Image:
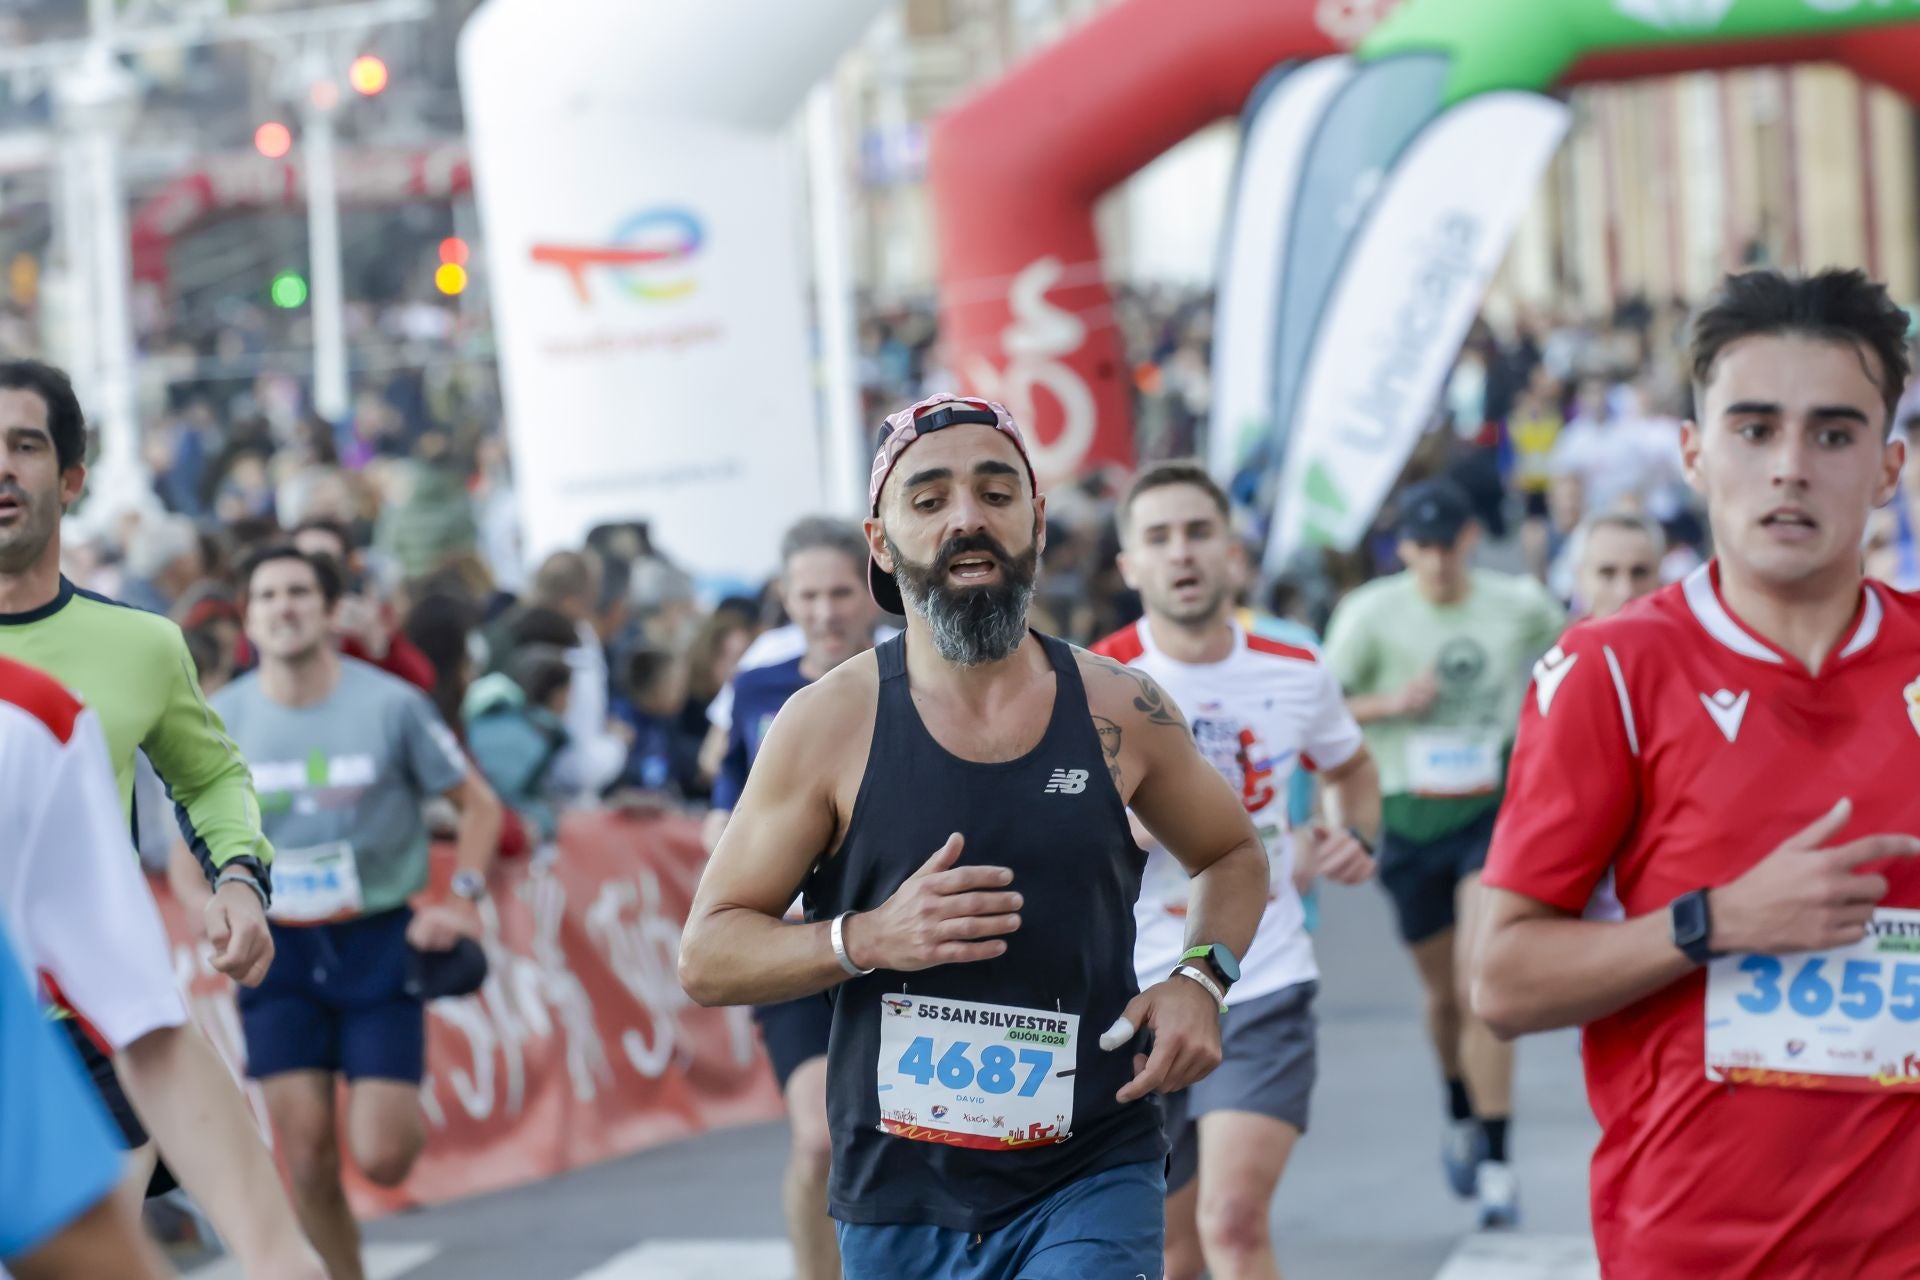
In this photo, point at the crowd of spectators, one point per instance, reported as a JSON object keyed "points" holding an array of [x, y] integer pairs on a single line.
{"points": [[586, 679], [588, 687], [1546, 421]]}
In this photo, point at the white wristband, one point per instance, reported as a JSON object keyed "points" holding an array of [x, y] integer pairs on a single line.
{"points": [[838, 933], [241, 877], [1205, 980]]}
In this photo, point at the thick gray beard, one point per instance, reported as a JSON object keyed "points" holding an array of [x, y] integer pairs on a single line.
{"points": [[965, 640]]}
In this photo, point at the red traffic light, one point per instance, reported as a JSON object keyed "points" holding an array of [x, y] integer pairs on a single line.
{"points": [[273, 140], [454, 251]]}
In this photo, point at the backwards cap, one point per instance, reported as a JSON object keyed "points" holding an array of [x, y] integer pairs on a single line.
{"points": [[936, 412]]}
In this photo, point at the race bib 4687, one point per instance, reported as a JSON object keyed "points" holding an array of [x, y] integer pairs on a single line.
{"points": [[967, 1074]]}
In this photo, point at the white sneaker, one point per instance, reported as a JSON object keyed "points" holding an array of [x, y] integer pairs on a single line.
{"points": [[1460, 1155], [1498, 1193]]}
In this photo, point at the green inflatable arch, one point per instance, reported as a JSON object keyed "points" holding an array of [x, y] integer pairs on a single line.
{"points": [[1532, 44], [1410, 182]]}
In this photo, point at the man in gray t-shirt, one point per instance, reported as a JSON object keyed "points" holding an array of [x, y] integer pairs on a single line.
{"points": [[343, 756], [344, 776]]}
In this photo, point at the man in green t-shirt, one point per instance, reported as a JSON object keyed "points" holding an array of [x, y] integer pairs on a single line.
{"points": [[1435, 661]]}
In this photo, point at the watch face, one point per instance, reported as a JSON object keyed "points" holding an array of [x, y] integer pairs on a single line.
{"points": [[1223, 961], [1689, 920]]}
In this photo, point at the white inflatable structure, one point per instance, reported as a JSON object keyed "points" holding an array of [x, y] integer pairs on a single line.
{"points": [[638, 187]]}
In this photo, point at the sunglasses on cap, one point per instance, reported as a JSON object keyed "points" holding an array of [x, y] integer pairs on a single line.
{"points": [[956, 414]]}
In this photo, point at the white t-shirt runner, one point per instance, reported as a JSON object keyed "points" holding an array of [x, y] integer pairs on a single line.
{"points": [[71, 892], [1264, 711]]}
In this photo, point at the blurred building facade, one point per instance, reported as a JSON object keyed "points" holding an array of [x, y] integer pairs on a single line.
{"points": [[1662, 186]]}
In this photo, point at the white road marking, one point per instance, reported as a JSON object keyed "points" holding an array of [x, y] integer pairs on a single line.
{"points": [[698, 1260], [383, 1261], [1500, 1256]]}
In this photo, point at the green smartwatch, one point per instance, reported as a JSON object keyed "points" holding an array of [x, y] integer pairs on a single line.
{"points": [[1219, 959]]}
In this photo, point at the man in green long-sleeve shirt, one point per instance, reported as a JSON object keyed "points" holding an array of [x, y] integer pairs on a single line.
{"points": [[133, 668], [131, 665]]}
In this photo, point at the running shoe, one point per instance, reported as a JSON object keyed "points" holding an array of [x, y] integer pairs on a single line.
{"points": [[1498, 1192], [1461, 1148]]}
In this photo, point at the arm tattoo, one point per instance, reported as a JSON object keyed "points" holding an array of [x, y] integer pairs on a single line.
{"points": [[1110, 747], [1154, 703], [1149, 701]]}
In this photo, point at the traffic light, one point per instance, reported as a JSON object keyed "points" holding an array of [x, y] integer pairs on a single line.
{"points": [[367, 75], [273, 140], [289, 290], [450, 277]]}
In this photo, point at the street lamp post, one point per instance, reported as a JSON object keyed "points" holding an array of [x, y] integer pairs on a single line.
{"points": [[318, 103], [844, 453], [97, 102]]}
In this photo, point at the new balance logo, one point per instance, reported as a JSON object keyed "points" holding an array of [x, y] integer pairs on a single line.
{"points": [[1727, 711], [1066, 782]]}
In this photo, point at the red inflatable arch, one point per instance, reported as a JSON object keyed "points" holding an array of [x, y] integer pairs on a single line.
{"points": [[1015, 171]]}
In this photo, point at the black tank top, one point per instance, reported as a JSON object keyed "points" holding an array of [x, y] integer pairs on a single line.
{"points": [[1053, 817]]}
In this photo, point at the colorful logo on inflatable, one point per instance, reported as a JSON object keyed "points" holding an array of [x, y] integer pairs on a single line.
{"points": [[647, 256]]}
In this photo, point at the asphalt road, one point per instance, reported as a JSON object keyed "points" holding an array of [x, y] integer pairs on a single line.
{"points": [[1362, 1200]]}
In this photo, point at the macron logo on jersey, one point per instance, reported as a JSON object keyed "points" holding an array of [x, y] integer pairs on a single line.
{"points": [[1727, 711], [1066, 782], [1548, 674]]}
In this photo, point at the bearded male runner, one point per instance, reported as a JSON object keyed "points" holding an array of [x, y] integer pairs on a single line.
{"points": [[954, 808]]}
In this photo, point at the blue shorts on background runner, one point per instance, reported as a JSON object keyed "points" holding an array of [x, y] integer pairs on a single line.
{"points": [[336, 1000], [794, 1031], [1109, 1224]]}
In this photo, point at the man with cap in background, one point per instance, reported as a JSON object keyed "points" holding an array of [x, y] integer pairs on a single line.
{"points": [[1435, 661]]}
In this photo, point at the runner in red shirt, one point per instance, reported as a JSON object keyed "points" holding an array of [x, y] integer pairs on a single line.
{"points": [[1742, 752]]}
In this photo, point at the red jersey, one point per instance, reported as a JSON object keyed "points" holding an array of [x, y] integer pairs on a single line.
{"points": [[1674, 747]]}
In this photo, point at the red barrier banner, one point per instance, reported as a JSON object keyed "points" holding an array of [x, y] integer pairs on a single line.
{"points": [[581, 1046]]}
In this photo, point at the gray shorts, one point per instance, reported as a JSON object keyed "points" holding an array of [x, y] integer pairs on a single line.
{"points": [[1267, 1066]]}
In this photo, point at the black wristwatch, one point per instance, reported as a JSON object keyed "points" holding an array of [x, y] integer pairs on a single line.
{"points": [[1692, 924], [1219, 959]]}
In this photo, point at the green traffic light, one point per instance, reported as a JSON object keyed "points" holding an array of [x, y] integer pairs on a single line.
{"points": [[289, 290]]}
